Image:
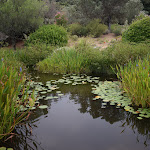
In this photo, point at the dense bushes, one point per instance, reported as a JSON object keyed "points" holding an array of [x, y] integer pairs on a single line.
{"points": [[138, 31], [95, 28], [33, 53], [10, 58], [117, 29], [49, 34], [97, 62], [60, 19], [77, 29], [119, 54]]}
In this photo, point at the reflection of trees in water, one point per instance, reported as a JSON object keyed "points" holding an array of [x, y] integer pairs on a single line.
{"points": [[82, 95], [23, 139], [139, 127]]}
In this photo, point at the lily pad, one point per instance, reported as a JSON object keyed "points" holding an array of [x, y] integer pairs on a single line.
{"points": [[43, 106]]}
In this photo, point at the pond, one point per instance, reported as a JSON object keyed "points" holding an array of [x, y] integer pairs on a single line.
{"points": [[74, 121]]}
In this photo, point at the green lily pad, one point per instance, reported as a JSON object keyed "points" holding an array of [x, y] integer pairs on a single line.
{"points": [[43, 106], [139, 118]]}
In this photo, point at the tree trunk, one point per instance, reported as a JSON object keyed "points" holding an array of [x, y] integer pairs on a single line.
{"points": [[14, 43], [109, 24]]}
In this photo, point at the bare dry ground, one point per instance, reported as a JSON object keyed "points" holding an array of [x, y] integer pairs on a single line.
{"points": [[101, 42]]}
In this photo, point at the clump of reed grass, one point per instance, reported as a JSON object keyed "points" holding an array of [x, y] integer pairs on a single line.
{"points": [[13, 95], [65, 60], [135, 79]]}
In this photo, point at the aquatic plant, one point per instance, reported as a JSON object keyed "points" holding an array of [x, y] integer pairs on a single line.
{"points": [[66, 60], [111, 93], [136, 81], [13, 98]]}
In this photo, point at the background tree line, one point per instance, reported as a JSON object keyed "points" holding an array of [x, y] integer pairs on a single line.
{"points": [[20, 17]]}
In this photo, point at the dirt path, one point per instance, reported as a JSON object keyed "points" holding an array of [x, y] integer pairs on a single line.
{"points": [[101, 42], [106, 40]]}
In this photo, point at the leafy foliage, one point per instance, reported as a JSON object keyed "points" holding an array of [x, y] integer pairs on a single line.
{"points": [[33, 53], [49, 34], [95, 28], [97, 62], [10, 58], [132, 9], [138, 31], [77, 29], [117, 29], [60, 19], [21, 17]]}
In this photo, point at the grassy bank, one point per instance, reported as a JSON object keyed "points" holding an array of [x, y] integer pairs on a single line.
{"points": [[91, 59]]}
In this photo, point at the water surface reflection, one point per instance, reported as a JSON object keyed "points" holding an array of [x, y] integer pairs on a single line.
{"points": [[74, 121]]}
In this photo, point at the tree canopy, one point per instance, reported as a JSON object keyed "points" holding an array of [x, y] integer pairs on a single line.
{"points": [[20, 17]]}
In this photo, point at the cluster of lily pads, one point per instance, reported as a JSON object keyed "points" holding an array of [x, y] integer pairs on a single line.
{"points": [[111, 92], [42, 92]]}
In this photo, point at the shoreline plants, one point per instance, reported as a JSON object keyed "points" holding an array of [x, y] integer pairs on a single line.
{"points": [[135, 79], [13, 96]]}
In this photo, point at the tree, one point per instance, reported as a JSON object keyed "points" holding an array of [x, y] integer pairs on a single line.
{"points": [[113, 9], [146, 4], [18, 17], [133, 8], [83, 11], [107, 10]]}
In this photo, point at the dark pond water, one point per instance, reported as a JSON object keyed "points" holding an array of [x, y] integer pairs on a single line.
{"points": [[75, 122]]}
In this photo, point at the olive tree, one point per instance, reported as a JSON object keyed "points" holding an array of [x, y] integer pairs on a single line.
{"points": [[18, 17], [133, 8]]}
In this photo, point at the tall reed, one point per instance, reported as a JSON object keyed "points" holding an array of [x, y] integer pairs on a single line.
{"points": [[13, 96], [136, 81], [66, 60]]}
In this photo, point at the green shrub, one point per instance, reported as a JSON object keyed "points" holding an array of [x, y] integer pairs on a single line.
{"points": [[13, 96], [77, 29], [121, 53], [34, 53], [116, 29], [74, 37], [141, 15], [95, 28], [49, 34], [138, 31], [60, 19], [96, 62], [10, 58], [136, 81], [66, 60], [100, 62]]}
